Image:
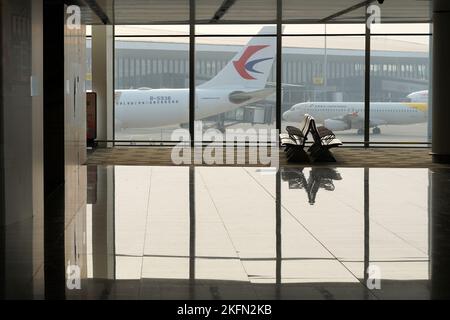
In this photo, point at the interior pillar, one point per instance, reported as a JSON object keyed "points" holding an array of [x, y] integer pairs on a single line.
{"points": [[103, 79], [441, 79]]}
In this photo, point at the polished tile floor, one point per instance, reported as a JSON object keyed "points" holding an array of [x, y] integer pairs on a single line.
{"points": [[248, 233]]}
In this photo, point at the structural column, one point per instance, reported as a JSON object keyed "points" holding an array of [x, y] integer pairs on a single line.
{"points": [[103, 79], [54, 148], [439, 217], [21, 149], [441, 79], [103, 246]]}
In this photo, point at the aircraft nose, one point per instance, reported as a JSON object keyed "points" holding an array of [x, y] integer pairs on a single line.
{"points": [[286, 115]]}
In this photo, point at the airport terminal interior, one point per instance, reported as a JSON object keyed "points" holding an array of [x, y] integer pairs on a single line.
{"points": [[224, 149]]}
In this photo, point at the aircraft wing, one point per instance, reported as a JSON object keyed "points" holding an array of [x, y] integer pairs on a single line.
{"points": [[356, 120], [352, 119], [344, 122], [273, 84]]}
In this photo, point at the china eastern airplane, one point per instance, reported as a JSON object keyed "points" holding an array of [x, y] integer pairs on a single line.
{"points": [[241, 82], [341, 116]]}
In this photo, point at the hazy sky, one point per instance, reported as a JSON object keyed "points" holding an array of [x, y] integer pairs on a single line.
{"points": [[289, 29], [381, 42]]}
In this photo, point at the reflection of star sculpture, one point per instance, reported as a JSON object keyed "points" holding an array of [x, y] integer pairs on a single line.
{"points": [[318, 178]]}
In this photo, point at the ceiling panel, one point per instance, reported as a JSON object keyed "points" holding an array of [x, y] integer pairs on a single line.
{"points": [[205, 9], [406, 11], [128, 12], [304, 11], [252, 10], [96, 11], [151, 11]]}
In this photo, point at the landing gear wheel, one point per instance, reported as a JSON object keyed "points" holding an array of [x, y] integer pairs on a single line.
{"points": [[376, 130], [360, 132]]}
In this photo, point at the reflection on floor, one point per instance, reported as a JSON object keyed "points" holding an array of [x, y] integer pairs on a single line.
{"points": [[346, 157], [244, 233]]}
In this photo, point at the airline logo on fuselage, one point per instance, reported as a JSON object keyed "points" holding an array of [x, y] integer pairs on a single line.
{"points": [[243, 66]]}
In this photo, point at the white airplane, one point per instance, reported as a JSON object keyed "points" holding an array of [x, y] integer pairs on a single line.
{"points": [[341, 116], [419, 96], [242, 82]]}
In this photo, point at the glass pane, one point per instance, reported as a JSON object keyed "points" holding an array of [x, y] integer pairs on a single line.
{"points": [[400, 28], [88, 58], [345, 28], [88, 64], [399, 88], [233, 29], [322, 29], [235, 84], [324, 77], [151, 79], [304, 29], [151, 30]]}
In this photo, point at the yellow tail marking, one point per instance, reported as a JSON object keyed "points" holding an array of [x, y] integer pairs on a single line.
{"points": [[419, 106]]}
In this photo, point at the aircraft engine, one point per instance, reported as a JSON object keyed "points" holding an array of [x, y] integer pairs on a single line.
{"points": [[336, 125]]}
